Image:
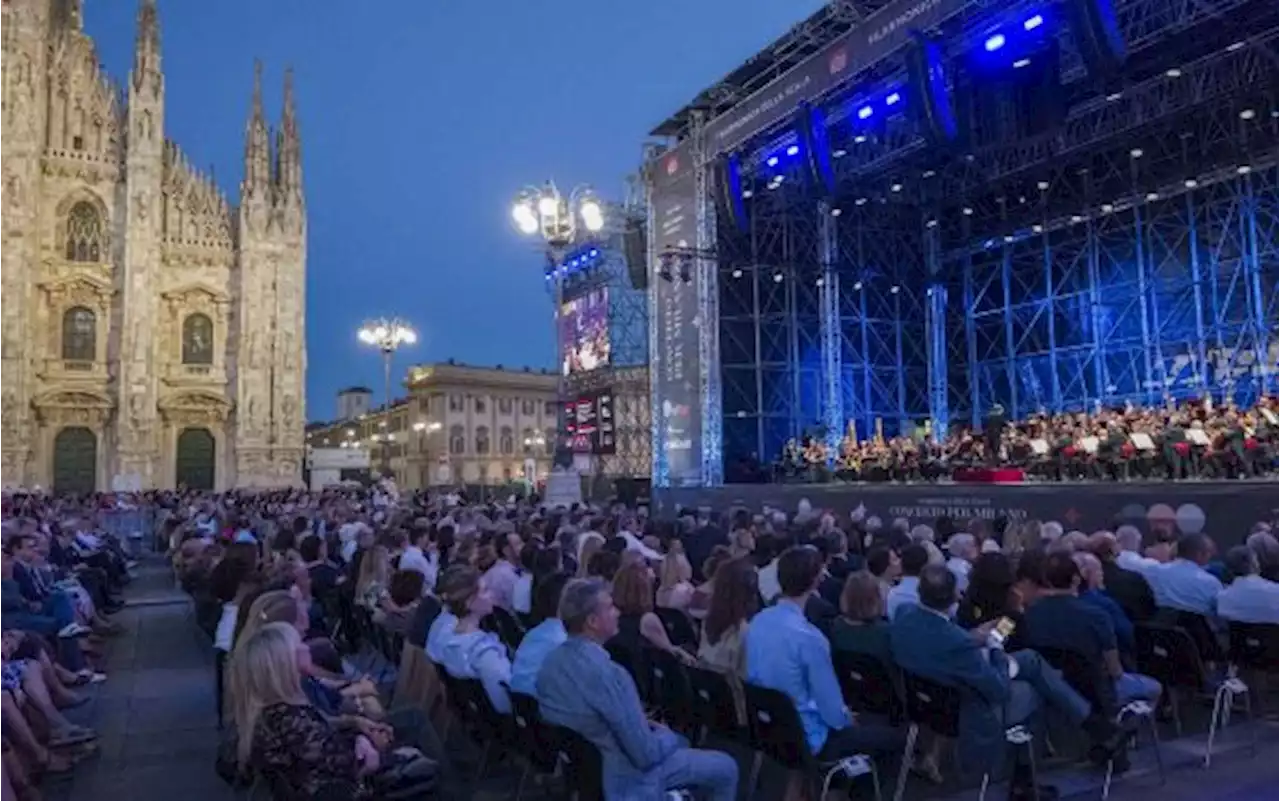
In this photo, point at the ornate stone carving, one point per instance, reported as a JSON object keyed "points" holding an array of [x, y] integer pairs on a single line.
{"points": [[72, 407]]}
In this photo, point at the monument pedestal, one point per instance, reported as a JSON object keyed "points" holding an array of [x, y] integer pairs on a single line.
{"points": [[564, 488]]}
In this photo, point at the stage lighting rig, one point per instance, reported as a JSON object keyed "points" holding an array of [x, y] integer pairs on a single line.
{"points": [[679, 262]]}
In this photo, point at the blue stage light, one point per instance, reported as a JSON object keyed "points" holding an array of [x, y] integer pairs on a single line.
{"points": [[594, 253], [994, 43], [1032, 23], [1022, 62], [793, 150], [892, 99], [772, 161], [864, 112]]}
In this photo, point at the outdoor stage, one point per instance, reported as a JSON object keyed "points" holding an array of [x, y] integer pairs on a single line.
{"points": [[1225, 510]]}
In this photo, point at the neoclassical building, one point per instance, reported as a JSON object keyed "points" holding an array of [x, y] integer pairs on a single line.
{"points": [[153, 333]]}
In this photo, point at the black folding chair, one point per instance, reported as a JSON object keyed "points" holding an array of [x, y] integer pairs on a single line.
{"points": [[713, 706], [670, 691], [583, 766], [870, 686], [777, 733], [936, 707], [680, 629], [633, 661], [1095, 685], [1168, 654], [505, 625], [535, 741]]}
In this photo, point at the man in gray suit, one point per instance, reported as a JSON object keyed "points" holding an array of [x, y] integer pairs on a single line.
{"points": [[581, 688]]}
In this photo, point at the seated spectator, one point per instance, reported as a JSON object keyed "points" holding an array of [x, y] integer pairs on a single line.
{"points": [[402, 600], [990, 594], [1184, 584], [604, 564], [675, 577], [501, 577], [325, 576], [1249, 598], [637, 624], [1129, 588], [469, 652], [914, 558], [884, 564], [1129, 541], [1060, 619], [522, 591], [414, 558], [1092, 591], [1000, 690], [543, 638], [786, 652], [700, 600], [279, 730], [963, 550], [373, 577], [861, 627], [1264, 546], [582, 689], [734, 601], [45, 601]]}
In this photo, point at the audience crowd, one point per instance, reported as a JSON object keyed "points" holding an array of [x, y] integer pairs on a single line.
{"points": [[648, 654]]}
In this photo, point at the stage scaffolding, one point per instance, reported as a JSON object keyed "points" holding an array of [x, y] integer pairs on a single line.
{"points": [[1129, 255]]}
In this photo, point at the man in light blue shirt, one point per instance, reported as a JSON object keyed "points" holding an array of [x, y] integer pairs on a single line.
{"points": [[542, 639], [1184, 584], [1249, 598], [786, 652], [907, 591]]}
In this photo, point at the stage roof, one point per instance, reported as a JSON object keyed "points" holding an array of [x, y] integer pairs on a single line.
{"points": [[804, 40]]}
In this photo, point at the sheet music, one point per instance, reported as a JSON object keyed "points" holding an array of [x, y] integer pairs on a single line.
{"points": [[1039, 447], [1089, 445], [1142, 441], [1198, 436]]}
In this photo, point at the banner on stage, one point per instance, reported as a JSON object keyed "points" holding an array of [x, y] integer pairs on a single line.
{"points": [[674, 189]]}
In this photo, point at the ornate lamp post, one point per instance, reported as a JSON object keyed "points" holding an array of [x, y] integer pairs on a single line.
{"points": [[561, 221], [387, 335]]}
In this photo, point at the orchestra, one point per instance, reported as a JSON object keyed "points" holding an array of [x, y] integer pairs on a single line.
{"points": [[1195, 440]]}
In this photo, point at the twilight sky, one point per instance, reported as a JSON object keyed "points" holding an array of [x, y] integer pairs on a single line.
{"points": [[420, 121]]}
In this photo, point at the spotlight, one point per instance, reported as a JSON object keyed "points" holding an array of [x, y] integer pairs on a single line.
{"points": [[736, 273], [1022, 62], [864, 112], [857, 286], [896, 188], [1107, 208], [1153, 196], [994, 43], [1008, 239], [1243, 169], [968, 212], [772, 161], [892, 99], [1037, 229], [1043, 186], [1032, 23], [1173, 72], [1234, 46], [819, 282], [836, 212], [893, 290], [1190, 183], [859, 139], [1248, 114], [839, 154], [793, 150], [746, 194], [777, 278], [1136, 153], [862, 201], [1113, 97], [1076, 218]]}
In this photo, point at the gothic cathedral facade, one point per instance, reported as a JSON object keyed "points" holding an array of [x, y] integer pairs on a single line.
{"points": [[153, 333]]}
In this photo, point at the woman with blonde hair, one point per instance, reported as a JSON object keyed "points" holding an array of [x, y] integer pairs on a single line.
{"points": [[589, 544], [280, 731], [675, 578], [375, 571]]}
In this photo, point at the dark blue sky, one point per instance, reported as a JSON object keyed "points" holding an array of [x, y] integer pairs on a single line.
{"points": [[420, 121]]}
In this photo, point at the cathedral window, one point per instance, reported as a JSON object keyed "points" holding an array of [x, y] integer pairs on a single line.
{"points": [[526, 437], [507, 441], [84, 233], [457, 440], [79, 335], [197, 339], [482, 440]]}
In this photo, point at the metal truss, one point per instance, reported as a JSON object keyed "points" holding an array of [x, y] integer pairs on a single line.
{"points": [[707, 279], [771, 346]]}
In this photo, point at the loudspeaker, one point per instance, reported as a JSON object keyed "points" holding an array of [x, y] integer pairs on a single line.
{"points": [[930, 96], [1097, 35], [635, 248], [729, 201], [811, 128]]}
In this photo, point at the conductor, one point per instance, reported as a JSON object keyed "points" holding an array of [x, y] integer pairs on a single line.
{"points": [[992, 429]]}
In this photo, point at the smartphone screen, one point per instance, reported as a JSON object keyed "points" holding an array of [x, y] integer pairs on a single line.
{"points": [[1004, 627]]}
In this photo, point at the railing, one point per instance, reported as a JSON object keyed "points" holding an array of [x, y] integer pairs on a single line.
{"points": [[136, 528]]}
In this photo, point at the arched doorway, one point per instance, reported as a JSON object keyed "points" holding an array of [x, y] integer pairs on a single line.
{"points": [[196, 459], [75, 460]]}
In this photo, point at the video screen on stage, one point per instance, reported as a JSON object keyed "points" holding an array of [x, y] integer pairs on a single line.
{"points": [[584, 332], [589, 423]]}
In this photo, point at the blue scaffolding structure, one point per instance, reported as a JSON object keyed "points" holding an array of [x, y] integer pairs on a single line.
{"points": [[1128, 252]]}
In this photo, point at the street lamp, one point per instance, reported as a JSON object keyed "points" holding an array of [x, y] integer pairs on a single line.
{"points": [[387, 335], [561, 222]]}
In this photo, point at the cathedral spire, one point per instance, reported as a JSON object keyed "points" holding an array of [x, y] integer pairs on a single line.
{"points": [[288, 177], [146, 48], [257, 147]]}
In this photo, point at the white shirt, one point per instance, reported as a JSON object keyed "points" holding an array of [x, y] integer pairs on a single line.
{"points": [[226, 630], [905, 593], [1135, 562], [1250, 599], [634, 544], [429, 566], [960, 568], [767, 581], [522, 594]]}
